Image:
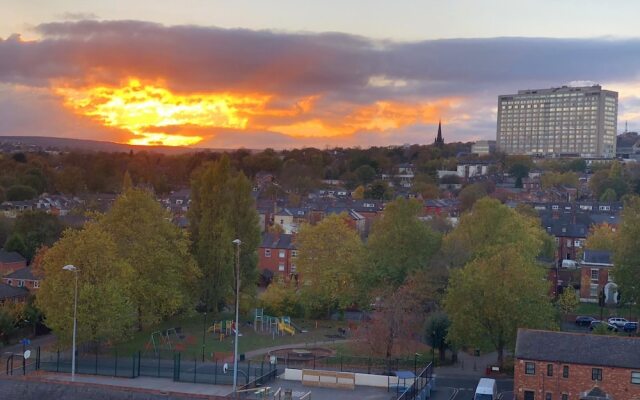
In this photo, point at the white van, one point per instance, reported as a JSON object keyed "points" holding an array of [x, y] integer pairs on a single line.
{"points": [[486, 390]]}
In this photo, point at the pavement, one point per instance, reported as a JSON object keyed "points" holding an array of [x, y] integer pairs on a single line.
{"points": [[156, 385], [249, 355]]}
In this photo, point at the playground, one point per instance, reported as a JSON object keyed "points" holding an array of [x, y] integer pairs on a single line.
{"points": [[199, 334]]}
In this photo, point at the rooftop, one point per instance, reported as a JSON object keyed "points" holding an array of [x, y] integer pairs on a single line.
{"points": [[578, 348]]}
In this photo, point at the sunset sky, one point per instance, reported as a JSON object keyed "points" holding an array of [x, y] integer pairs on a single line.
{"points": [[284, 74]]}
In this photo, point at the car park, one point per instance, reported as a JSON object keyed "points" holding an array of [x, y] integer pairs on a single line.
{"points": [[584, 321], [617, 321], [630, 327]]}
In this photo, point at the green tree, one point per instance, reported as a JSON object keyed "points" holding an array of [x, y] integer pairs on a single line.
{"points": [[15, 242], [20, 192], [494, 295], [365, 174], [6, 227], [626, 255], [602, 237], [379, 190], [489, 228], [399, 244], [37, 228], [436, 331], [221, 211], [568, 301], [609, 195], [104, 309], [281, 298], [330, 259], [164, 275]]}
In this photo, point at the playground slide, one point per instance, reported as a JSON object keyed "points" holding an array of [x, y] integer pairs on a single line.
{"points": [[286, 328]]}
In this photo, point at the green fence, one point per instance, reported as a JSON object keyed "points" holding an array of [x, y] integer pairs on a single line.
{"points": [[174, 366]]}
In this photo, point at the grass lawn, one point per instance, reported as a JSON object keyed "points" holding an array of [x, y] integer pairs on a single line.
{"points": [[192, 329]]}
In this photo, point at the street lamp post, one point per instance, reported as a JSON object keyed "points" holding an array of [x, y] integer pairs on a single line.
{"points": [[75, 320], [237, 242], [204, 332]]}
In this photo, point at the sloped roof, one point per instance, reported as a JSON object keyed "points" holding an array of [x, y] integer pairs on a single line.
{"points": [[597, 257], [8, 292], [22, 273], [578, 348], [277, 241], [10, 257]]}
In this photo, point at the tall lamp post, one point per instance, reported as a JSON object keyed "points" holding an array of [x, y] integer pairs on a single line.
{"points": [[75, 320], [237, 242]]}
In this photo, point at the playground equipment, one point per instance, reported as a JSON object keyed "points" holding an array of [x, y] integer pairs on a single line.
{"points": [[276, 325], [164, 340], [223, 328]]}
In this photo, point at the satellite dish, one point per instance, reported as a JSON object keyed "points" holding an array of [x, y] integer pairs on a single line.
{"points": [[225, 368], [27, 354]]}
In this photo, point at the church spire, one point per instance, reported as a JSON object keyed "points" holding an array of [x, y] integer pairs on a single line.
{"points": [[439, 142]]}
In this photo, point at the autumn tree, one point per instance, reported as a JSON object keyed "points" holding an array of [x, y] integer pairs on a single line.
{"points": [[494, 295], [568, 301], [491, 227], [626, 255], [399, 244], [221, 211], [601, 237], [164, 273], [330, 258], [104, 307], [470, 194]]}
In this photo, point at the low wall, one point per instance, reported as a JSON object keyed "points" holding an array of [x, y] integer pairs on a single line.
{"points": [[382, 381]]}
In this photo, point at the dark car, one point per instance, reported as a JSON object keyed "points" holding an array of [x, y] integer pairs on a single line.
{"points": [[584, 321], [630, 327], [609, 326]]}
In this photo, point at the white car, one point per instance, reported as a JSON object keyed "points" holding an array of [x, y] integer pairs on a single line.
{"points": [[619, 322]]}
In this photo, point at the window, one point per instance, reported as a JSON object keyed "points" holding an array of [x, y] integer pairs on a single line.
{"points": [[595, 274], [529, 395], [529, 368], [281, 267], [294, 253], [20, 283], [593, 291], [281, 254], [565, 396], [635, 377], [267, 252], [547, 396], [36, 284], [9, 282], [565, 371], [596, 374], [549, 369]]}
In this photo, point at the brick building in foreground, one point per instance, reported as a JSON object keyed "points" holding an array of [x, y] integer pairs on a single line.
{"points": [[574, 366]]}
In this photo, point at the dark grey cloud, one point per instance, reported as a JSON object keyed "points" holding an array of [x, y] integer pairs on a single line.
{"points": [[208, 58]]}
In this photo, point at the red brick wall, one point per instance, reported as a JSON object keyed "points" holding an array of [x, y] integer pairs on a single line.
{"points": [[273, 263], [615, 381], [7, 268], [585, 280]]}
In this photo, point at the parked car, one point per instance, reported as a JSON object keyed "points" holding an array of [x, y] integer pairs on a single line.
{"points": [[610, 327], [584, 321], [619, 322], [630, 327]]}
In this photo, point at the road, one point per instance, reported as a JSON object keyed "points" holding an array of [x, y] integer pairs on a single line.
{"points": [[466, 386]]}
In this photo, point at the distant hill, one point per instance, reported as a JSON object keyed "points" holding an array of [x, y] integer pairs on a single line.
{"points": [[55, 143]]}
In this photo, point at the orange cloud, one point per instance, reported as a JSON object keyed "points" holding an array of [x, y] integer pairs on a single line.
{"points": [[157, 116]]}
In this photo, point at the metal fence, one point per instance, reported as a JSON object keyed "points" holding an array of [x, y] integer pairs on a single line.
{"points": [[421, 387], [174, 366]]}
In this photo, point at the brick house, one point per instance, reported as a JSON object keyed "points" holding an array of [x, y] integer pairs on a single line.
{"points": [[595, 277], [568, 366], [277, 253], [11, 261], [22, 278]]}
